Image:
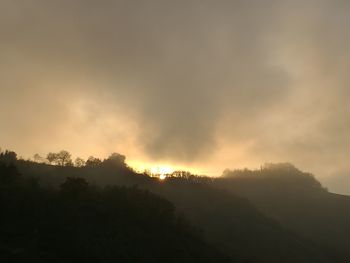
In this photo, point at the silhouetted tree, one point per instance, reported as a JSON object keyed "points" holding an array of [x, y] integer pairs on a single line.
{"points": [[79, 162], [8, 157], [51, 157], [62, 158], [93, 162], [117, 158]]}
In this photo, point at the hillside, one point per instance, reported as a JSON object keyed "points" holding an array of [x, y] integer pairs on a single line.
{"points": [[297, 201], [226, 220], [236, 226], [81, 223]]}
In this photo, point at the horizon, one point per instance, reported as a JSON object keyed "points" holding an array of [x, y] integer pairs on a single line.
{"points": [[192, 131], [192, 84], [159, 169]]}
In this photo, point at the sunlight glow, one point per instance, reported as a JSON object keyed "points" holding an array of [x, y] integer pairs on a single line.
{"points": [[162, 176], [161, 170]]}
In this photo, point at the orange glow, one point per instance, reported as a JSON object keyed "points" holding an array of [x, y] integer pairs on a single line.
{"points": [[162, 176], [159, 169]]}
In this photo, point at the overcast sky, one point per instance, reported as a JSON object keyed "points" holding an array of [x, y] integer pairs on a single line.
{"points": [[201, 84]]}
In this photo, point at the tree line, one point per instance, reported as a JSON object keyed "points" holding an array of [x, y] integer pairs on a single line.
{"points": [[79, 222], [63, 158]]}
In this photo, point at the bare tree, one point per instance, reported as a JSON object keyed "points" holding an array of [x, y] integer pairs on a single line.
{"points": [[79, 162], [51, 157], [62, 158]]}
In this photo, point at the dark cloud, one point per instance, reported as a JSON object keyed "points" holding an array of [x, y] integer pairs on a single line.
{"points": [[181, 81]]}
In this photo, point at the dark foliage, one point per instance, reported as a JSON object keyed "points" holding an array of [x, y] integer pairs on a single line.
{"points": [[274, 214], [8, 157], [298, 202], [81, 223]]}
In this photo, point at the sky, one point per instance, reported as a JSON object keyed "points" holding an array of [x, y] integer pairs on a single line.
{"points": [[196, 84]]}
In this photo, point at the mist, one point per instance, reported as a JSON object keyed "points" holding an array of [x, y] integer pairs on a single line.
{"points": [[193, 83]]}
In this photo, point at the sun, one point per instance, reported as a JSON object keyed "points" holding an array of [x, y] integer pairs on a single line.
{"points": [[162, 177], [161, 171]]}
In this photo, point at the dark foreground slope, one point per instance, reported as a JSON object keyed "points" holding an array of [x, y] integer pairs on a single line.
{"points": [[236, 226], [227, 221], [80, 223], [297, 201]]}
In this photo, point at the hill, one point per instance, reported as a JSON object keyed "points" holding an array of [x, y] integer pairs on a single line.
{"points": [[82, 223], [226, 220], [298, 202]]}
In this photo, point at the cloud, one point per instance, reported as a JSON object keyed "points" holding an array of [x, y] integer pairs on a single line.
{"points": [[181, 81]]}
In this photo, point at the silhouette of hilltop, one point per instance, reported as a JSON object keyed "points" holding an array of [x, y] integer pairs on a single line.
{"points": [[275, 214]]}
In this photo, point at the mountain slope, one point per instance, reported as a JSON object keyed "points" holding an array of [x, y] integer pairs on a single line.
{"points": [[80, 223], [297, 201], [227, 221], [236, 226]]}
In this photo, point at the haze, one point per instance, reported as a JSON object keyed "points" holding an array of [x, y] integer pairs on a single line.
{"points": [[205, 85]]}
